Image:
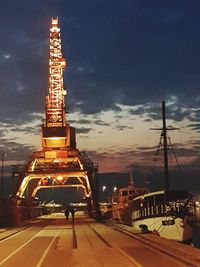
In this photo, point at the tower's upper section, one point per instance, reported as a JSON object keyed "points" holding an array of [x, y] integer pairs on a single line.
{"points": [[56, 132], [55, 106]]}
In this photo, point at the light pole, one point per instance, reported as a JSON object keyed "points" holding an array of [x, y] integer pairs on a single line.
{"points": [[2, 172], [104, 189]]}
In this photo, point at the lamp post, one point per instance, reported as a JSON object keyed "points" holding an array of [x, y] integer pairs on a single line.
{"points": [[104, 189], [2, 172]]}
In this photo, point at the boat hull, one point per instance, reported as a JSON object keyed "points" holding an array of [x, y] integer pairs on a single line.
{"points": [[167, 230]]}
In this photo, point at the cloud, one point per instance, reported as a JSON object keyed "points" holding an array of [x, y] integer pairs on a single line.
{"points": [[27, 130], [175, 111], [130, 60], [133, 55], [101, 123], [194, 115], [194, 126], [83, 130], [80, 121], [3, 132], [123, 127], [16, 151]]}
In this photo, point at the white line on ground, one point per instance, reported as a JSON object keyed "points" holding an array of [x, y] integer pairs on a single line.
{"points": [[15, 234], [15, 251], [46, 251], [130, 258]]}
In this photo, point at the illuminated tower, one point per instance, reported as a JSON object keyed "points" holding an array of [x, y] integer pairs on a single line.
{"points": [[59, 163], [56, 132]]}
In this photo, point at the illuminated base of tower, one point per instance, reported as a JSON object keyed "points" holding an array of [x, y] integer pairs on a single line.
{"points": [[57, 168]]}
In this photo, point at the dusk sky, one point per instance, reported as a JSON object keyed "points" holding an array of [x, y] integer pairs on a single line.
{"points": [[124, 58]]}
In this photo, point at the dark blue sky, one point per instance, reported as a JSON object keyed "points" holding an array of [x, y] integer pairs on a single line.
{"points": [[124, 58], [137, 51]]}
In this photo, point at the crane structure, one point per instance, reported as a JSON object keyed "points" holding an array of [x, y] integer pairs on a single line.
{"points": [[59, 163]]}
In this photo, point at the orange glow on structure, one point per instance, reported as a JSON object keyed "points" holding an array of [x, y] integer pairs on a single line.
{"points": [[59, 159], [55, 115], [59, 178], [56, 132]]}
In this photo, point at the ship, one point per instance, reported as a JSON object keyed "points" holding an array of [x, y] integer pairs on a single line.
{"points": [[168, 213], [118, 209], [121, 211]]}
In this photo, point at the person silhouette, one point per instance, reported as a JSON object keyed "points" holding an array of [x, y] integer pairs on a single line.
{"points": [[66, 214], [72, 213]]}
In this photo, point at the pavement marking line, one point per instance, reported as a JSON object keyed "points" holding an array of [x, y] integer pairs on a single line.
{"points": [[130, 258], [14, 252], [74, 242], [100, 237], [46, 251], [13, 234]]}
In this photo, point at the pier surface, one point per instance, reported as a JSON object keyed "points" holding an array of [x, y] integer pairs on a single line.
{"points": [[50, 241]]}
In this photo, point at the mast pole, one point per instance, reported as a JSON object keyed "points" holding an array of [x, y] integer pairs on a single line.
{"points": [[166, 173]]}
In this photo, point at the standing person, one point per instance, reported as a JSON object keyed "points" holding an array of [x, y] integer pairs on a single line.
{"points": [[66, 214], [72, 213]]}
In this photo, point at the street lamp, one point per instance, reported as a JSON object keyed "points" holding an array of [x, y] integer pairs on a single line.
{"points": [[103, 188], [2, 172], [114, 189]]}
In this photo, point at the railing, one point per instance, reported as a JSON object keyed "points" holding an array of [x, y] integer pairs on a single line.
{"points": [[177, 209], [88, 164], [53, 167]]}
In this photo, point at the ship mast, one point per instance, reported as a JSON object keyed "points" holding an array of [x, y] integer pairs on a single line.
{"points": [[164, 134], [164, 137]]}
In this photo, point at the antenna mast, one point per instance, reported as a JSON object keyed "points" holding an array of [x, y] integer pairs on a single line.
{"points": [[164, 136], [164, 133]]}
